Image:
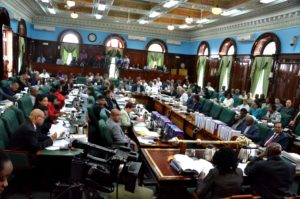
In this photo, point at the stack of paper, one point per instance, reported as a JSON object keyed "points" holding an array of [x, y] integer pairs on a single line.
{"points": [[185, 164]]}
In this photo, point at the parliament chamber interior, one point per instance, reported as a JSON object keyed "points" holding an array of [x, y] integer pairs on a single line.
{"points": [[150, 99]]}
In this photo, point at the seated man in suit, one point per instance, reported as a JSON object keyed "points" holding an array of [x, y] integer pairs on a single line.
{"points": [[272, 115], [28, 138], [278, 136], [240, 119], [249, 129], [288, 109], [99, 105], [195, 105], [138, 87], [271, 178], [113, 124], [9, 92], [111, 101]]}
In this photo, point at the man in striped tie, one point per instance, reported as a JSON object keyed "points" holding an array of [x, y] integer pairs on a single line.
{"points": [[277, 136]]}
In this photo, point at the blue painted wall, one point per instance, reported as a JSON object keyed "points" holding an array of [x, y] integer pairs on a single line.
{"points": [[284, 35], [186, 47]]}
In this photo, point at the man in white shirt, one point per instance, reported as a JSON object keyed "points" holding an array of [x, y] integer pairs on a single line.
{"points": [[183, 95], [245, 105], [41, 59], [209, 87], [158, 82], [44, 74]]}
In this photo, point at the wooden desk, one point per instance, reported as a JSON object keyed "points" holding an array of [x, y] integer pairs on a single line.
{"points": [[170, 183], [158, 143]]}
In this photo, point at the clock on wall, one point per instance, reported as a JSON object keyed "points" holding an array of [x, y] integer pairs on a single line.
{"points": [[92, 37]]}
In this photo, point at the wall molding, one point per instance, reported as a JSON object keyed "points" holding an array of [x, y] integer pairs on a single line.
{"points": [[112, 27], [285, 19]]}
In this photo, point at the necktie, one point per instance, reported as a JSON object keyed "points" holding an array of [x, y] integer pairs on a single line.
{"points": [[271, 139]]}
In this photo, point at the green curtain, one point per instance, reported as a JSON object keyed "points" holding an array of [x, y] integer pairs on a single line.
{"points": [[259, 65], [21, 53], [114, 52], [155, 58], [225, 65], [201, 66], [67, 48]]}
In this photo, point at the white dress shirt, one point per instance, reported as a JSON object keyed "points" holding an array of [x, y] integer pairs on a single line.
{"points": [[228, 102], [184, 98]]}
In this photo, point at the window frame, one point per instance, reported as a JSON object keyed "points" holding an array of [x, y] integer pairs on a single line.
{"points": [[226, 45], [202, 48], [262, 41], [115, 36], [159, 42]]}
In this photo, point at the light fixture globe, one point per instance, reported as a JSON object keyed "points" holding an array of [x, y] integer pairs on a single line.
{"points": [[70, 4], [171, 27], [189, 20], [216, 10], [74, 15]]}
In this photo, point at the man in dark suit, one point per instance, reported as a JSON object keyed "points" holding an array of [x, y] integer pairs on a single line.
{"points": [[277, 136], [288, 109], [195, 105], [10, 91], [138, 87], [28, 138], [249, 129], [240, 120], [111, 102], [271, 178]]}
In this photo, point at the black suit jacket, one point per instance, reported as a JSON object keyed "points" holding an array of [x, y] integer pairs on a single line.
{"points": [[283, 139], [134, 88], [252, 133], [271, 178], [26, 138], [216, 185]]}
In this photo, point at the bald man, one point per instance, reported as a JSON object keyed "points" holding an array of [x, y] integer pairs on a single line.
{"points": [[27, 138], [271, 178], [288, 109], [249, 129], [114, 125]]}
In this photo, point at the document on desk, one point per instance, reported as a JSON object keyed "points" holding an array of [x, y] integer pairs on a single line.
{"points": [[58, 128], [58, 144], [185, 164], [143, 140]]}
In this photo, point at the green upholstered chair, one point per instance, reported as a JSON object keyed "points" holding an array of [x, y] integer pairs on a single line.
{"points": [[25, 104], [214, 95], [5, 83], [4, 140], [20, 159], [263, 131], [237, 102], [93, 128], [297, 129], [45, 90], [227, 116], [19, 114], [285, 119], [215, 111], [91, 100], [105, 134], [80, 80], [10, 120], [264, 111], [103, 115], [207, 106], [139, 193]]}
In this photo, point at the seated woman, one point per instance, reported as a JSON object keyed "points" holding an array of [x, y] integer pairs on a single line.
{"points": [[256, 110], [125, 115], [53, 113], [224, 180], [272, 115], [6, 168], [41, 100], [228, 101], [59, 96]]}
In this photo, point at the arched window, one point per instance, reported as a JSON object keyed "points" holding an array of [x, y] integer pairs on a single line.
{"points": [[264, 47], [6, 45], [22, 30], [266, 44], [156, 49], [204, 49], [69, 49], [114, 50], [227, 51], [203, 53]]}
